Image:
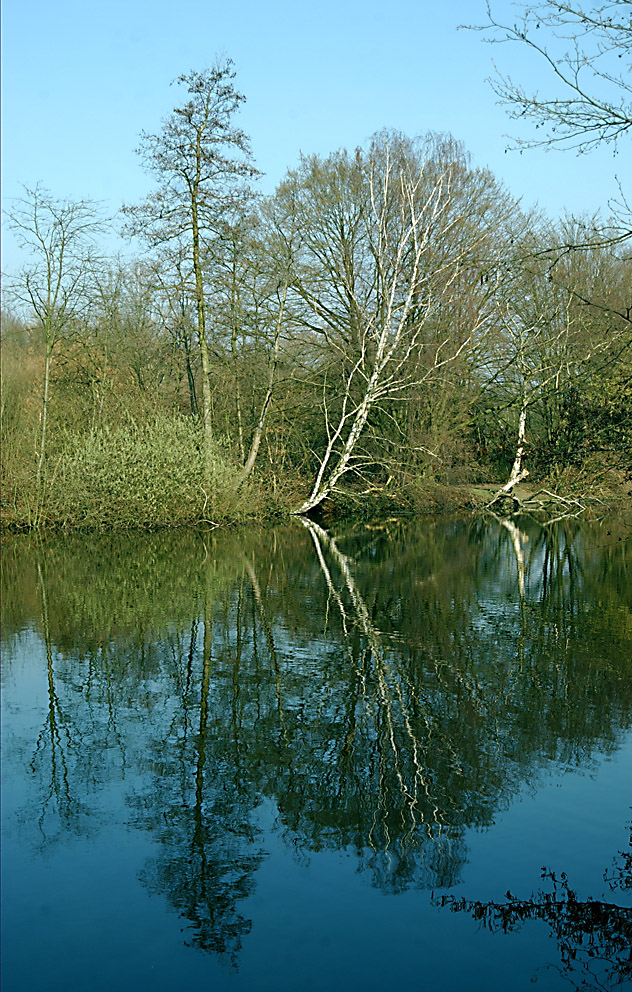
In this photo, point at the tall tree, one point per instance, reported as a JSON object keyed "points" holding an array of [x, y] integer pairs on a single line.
{"points": [[202, 163]]}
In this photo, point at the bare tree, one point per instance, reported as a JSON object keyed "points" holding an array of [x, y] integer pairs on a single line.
{"points": [[587, 49], [380, 242], [59, 236], [558, 335], [534, 344], [121, 352]]}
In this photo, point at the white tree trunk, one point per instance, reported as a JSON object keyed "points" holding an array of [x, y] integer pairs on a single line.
{"points": [[518, 473]]}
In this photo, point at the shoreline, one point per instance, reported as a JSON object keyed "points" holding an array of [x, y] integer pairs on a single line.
{"points": [[378, 503]]}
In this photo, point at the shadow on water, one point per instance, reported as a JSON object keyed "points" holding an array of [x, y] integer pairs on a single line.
{"points": [[385, 690]]}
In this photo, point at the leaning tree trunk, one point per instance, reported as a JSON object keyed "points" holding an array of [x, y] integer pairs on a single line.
{"points": [[518, 472], [325, 483]]}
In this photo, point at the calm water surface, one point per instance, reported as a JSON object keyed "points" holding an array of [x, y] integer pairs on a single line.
{"points": [[293, 759]]}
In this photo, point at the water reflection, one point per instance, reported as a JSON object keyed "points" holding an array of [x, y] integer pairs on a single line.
{"points": [[383, 690], [594, 937]]}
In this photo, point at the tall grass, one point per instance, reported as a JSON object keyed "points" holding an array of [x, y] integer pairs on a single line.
{"points": [[149, 475]]}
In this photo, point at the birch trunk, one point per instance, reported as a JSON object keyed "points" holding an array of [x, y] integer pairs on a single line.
{"points": [[372, 282]]}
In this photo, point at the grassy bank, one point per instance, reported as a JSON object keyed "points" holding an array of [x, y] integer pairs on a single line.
{"points": [[151, 475]]}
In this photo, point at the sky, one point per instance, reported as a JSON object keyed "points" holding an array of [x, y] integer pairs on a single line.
{"points": [[80, 81]]}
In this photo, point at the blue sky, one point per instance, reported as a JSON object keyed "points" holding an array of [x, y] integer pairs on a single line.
{"points": [[80, 81]]}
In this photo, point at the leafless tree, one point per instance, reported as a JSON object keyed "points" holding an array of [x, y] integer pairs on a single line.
{"points": [[381, 241], [59, 236]]}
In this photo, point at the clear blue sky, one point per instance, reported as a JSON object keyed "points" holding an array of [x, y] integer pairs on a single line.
{"points": [[82, 80]]}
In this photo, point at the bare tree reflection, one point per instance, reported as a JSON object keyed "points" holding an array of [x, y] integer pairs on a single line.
{"points": [[412, 835], [382, 691], [58, 809], [594, 937]]}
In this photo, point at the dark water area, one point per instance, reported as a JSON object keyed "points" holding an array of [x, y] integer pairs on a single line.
{"points": [[290, 759]]}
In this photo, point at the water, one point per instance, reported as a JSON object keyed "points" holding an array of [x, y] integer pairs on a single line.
{"points": [[289, 759]]}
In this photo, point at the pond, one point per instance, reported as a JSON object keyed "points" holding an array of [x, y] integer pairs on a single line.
{"points": [[297, 759]]}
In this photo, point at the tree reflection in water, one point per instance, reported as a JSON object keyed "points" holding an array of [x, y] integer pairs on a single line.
{"points": [[383, 691], [57, 737], [594, 938]]}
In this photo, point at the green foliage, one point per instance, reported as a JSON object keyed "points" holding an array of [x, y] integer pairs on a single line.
{"points": [[111, 584]]}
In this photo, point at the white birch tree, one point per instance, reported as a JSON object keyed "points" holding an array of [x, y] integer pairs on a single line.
{"points": [[558, 331], [383, 239]]}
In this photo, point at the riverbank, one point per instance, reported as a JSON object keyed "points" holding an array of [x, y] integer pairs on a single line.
{"points": [[178, 500]]}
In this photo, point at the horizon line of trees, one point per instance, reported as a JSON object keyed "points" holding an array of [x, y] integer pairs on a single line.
{"points": [[388, 317]]}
